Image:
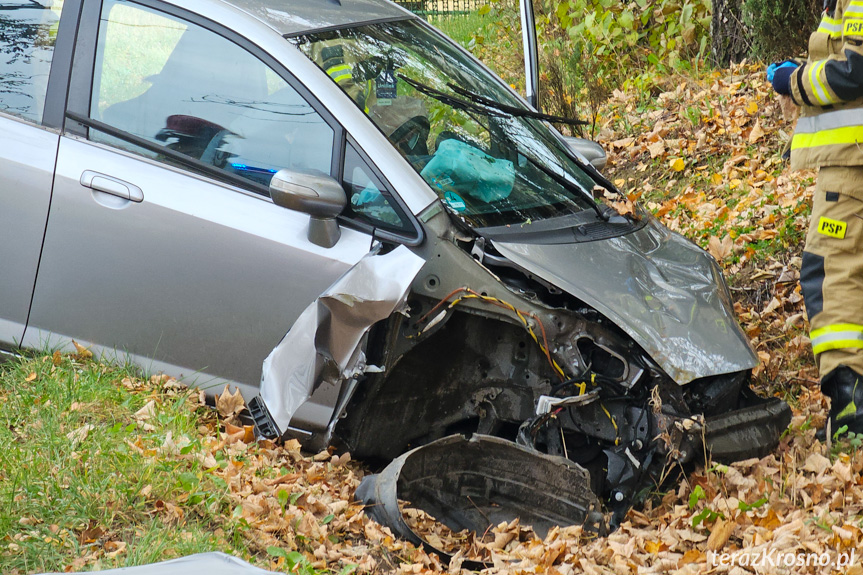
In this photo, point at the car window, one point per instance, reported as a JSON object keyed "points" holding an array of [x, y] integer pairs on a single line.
{"points": [[186, 88], [28, 29], [369, 200]]}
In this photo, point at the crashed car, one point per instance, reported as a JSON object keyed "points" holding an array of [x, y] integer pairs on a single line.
{"points": [[444, 262]]}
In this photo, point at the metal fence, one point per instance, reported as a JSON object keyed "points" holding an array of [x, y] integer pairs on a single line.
{"points": [[433, 7]]}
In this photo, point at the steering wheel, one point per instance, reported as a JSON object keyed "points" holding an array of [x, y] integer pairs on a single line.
{"points": [[411, 138]]}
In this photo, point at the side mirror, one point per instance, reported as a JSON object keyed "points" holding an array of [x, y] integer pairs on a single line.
{"points": [[318, 195], [589, 149]]}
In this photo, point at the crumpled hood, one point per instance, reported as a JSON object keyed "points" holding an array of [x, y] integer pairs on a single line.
{"points": [[660, 288]]}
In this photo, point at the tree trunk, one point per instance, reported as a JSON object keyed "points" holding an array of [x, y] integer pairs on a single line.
{"points": [[728, 37]]}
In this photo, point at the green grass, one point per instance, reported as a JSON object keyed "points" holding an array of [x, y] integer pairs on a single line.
{"points": [[459, 27], [76, 500]]}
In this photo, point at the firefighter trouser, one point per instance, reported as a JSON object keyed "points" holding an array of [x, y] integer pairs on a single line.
{"points": [[832, 271]]}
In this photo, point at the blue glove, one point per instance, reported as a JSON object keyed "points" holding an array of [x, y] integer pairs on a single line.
{"points": [[779, 74]]}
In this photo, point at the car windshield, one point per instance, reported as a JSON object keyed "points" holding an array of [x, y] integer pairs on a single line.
{"points": [[454, 122]]}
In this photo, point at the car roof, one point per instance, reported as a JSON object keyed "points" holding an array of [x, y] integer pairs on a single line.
{"points": [[290, 17]]}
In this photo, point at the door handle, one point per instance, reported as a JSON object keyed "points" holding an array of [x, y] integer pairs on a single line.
{"points": [[112, 186]]}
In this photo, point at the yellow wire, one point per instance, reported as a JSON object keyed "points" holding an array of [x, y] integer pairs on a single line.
{"points": [[582, 387], [512, 308]]}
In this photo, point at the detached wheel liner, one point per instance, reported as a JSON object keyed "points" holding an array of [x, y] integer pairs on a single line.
{"points": [[479, 482]]}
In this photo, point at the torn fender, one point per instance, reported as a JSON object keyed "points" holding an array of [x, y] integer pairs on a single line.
{"points": [[323, 347], [478, 483]]}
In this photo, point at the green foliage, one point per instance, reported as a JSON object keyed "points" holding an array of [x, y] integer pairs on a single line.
{"points": [[780, 28], [707, 515], [590, 47], [743, 506], [696, 496], [845, 441]]}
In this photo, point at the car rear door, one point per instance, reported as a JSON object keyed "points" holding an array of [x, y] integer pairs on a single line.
{"points": [[162, 243], [33, 49]]}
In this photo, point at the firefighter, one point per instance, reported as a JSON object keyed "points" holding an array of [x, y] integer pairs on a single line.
{"points": [[828, 88]]}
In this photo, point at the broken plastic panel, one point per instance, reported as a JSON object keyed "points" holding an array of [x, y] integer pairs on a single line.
{"points": [[478, 483], [323, 348]]}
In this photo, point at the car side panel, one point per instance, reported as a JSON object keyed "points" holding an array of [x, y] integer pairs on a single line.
{"points": [[199, 276], [27, 155]]}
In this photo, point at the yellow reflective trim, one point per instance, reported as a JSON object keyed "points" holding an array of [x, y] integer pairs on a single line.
{"points": [[836, 328], [832, 228], [817, 85], [338, 68], [830, 26], [830, 32], [836, 344], [853, 27], [346, 76], [836, 136]]}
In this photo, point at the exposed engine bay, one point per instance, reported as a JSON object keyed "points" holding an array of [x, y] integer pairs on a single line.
{"points": [[481, 346], [562, 380]]}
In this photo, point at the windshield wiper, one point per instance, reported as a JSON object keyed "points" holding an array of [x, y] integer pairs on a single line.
{"points": [[451, 100], [513, 111]]}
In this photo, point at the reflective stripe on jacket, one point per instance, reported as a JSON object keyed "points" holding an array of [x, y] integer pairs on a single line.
{"points": [[829, 90]]}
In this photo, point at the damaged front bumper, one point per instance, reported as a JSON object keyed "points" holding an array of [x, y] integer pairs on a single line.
{"points": [[556, 350]]}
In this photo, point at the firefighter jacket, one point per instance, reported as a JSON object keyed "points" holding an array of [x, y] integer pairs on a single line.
{"points": [[829, 91]]}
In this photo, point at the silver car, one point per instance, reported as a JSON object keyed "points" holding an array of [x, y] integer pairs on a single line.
{"points": [[181, 179]]}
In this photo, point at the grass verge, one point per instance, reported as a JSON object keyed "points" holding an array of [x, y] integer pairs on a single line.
{"points": [[89, 460]]}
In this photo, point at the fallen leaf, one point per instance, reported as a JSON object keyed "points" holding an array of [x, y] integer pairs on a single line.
{"points": [[114, 548], [82, 352], [146, 412], [79, 434], [656, 149], [720, 249], [228, 404], [234, 433], [90, 533], [719, 534], [757, 133]]}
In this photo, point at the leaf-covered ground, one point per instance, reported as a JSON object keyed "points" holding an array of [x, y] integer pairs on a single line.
{"points": [[100, 468]]}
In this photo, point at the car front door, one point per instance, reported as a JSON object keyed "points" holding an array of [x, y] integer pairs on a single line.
{"points": [[28, 145], [162, 243]]}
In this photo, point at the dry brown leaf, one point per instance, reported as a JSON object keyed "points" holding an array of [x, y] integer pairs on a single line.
{"points": [[146, 412], [816, 463], [757, 132], [720, 249], [81, 351], [79, 434], [656, 149], [228, 404], [114, 548], [719, 534], [234, 433]]}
